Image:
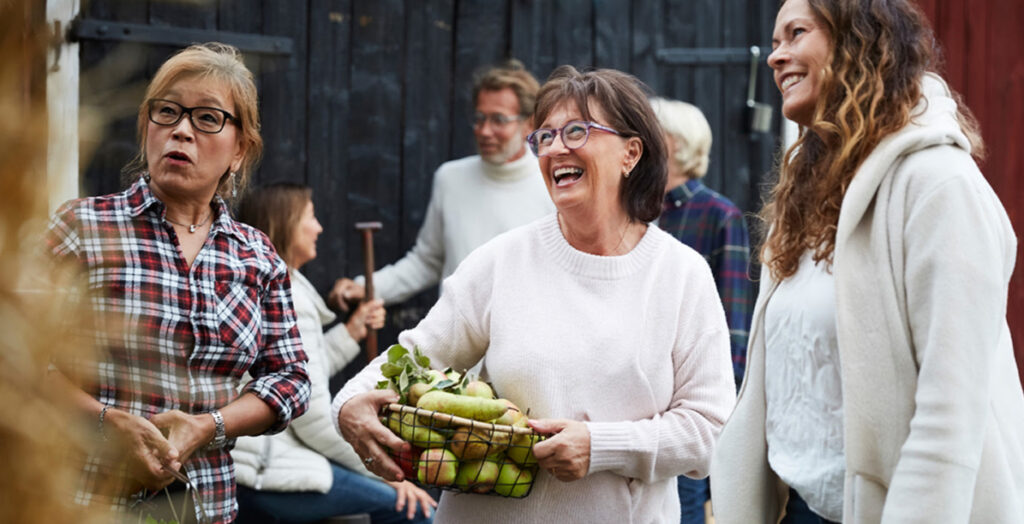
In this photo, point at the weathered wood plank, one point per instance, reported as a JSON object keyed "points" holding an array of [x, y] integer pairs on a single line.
{"points": [[328, 119], [481, 39], [612, 34]]}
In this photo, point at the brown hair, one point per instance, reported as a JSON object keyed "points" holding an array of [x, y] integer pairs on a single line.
{"points": [[623, 99], [276, 209], [880, 50], [510, 74], [221, 63]]}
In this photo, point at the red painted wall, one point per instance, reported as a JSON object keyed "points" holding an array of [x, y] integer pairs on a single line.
{"points": [[983, 42]]}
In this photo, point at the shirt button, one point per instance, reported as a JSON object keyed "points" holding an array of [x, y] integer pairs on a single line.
{"points": [[679, 203]]}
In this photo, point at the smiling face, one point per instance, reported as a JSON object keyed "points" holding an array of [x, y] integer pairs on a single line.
{"points": [[187, 164], [303, 248], [587, 180], [802, 48], [500, 143]]}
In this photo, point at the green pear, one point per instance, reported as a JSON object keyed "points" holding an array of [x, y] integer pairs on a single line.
{"points": [[437, 467], [521, 449], [473, 444], [478, 388], [512, 481], [477, 475]]}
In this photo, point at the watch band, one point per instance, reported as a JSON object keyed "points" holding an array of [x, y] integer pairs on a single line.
{"points": [[219, 436]]}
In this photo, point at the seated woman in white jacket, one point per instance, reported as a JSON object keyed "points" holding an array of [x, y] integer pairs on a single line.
{"points": [[308, 472]]}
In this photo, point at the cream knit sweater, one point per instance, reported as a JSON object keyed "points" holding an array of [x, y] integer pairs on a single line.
{"points": [[471, 202], [635, 345]]}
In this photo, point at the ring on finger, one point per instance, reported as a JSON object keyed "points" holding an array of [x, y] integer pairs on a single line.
{"points": [[368, 461]]}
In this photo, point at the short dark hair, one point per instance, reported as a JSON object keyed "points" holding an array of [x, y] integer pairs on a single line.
{"points": [[275, 209], [510, 74], [624, 99]]}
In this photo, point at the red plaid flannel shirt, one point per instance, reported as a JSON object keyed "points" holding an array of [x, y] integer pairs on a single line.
{"points": [[189, 333]]}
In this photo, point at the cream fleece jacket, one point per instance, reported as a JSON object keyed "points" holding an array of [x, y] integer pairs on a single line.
{"points": [[933, 406], [634, 345], [296, 458]]}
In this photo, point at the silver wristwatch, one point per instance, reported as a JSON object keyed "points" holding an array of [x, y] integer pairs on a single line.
{"points": [[219, 437]]}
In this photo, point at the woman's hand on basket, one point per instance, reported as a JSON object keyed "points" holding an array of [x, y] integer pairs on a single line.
{"points": [[566, 453], [145, 449], [361, 427], [409, 495]]}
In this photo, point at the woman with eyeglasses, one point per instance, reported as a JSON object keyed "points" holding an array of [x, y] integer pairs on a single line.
{"points": [[187, 299], [609, 331]]}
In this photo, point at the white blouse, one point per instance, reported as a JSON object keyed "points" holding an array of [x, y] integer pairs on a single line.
{"points": [[804, 421]]}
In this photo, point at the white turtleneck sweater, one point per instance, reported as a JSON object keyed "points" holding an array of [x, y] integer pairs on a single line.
{"points": [[471, 202], [634, 345]]}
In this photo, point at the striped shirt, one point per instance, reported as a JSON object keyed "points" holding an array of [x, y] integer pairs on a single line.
{"points": [[712, 225], [180, 337]]}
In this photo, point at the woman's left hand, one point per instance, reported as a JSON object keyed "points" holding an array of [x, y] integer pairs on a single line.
{"points": [[369, 314], [409, 495], [186, 432], [566, 453]]}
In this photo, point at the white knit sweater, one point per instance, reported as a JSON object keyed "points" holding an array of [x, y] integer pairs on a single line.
{"points": [[471, 202], [635, 345]]}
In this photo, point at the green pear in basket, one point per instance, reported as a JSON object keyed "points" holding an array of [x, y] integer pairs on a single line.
{"points": [[409, 429], [437, 467], [473, 444], [477, 475], [520, 450], [464, 406], [513, 481]]}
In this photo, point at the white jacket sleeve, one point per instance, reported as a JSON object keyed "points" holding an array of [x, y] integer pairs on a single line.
{"points": [[958, 263]]}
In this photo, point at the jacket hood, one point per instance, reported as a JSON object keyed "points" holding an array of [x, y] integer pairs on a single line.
{"points": [[933, 122]]}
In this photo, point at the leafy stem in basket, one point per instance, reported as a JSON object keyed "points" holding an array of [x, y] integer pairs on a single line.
{"points": [[403, 369]]}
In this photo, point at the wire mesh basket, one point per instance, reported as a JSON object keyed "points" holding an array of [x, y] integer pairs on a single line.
{"points": [[463, 455]]}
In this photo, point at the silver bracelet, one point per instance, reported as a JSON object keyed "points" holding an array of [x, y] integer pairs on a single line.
{"points": [[103, 415]]}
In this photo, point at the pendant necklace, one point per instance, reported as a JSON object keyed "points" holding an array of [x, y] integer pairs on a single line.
{"points": [[191, 227]]}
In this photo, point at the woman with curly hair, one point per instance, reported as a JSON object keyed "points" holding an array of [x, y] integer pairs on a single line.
{"points": [[881, 384]]}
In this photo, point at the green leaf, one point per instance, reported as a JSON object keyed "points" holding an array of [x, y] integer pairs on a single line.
{"points": [[421, 359], [395, 352], [384, 384], [391, 370]]}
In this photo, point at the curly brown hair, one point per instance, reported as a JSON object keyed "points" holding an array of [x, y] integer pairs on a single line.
{"points": [[880, 50]]}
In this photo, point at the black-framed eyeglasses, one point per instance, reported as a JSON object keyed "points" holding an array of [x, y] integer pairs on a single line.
{"points": [[574, 136], [210, 120], [496, 119]]}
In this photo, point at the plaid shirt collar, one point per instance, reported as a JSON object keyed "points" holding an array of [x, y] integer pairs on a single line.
{"points": [[678, 196], [141, 198]]}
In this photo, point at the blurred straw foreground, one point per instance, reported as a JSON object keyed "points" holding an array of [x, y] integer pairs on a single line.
{"points": [[38, 316]]}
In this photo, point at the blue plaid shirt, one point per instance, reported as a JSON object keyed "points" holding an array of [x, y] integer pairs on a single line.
{"points": [[709, 223]]}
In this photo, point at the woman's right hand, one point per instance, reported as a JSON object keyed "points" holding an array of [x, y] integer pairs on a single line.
{"points": [[361, 427], [369, 314], [144, 448]]}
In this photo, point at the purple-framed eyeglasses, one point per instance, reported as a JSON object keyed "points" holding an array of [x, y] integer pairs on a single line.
{"points": [[574, 136]]}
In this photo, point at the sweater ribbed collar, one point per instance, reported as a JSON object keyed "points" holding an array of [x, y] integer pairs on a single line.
{"points": [[522, 167], [597, 266]]}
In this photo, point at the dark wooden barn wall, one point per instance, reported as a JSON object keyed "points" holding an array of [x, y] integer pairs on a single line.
{"points": [[376, 93], [984, 61]]}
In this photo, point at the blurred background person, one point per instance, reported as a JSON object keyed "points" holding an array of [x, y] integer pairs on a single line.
{"points": [[308, 472], [881, 384], [710, 223], [475, 198], [609, 332], [192, 299]]}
